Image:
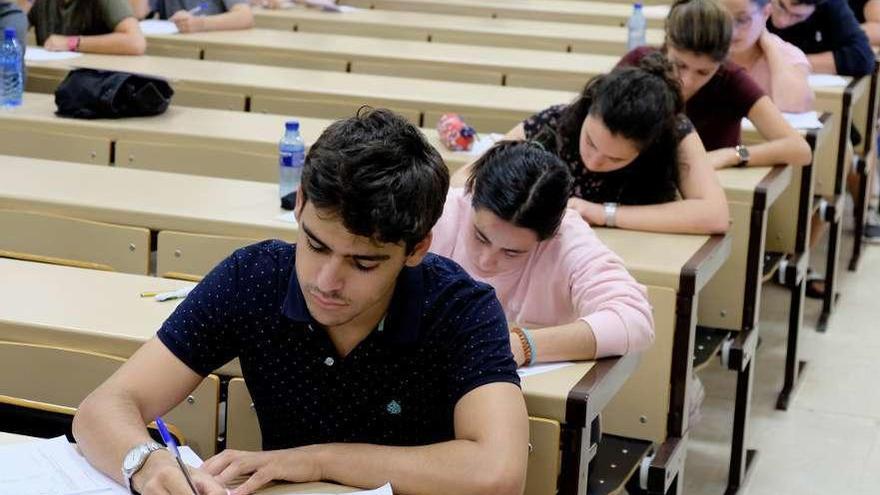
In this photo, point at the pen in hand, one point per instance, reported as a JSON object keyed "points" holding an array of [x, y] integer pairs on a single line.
{"points": [[172, 447], [196, 10]]}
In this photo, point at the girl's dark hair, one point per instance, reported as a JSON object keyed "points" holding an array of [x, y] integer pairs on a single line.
{"points": [[642, 104], [523, 184], [703, 27]]}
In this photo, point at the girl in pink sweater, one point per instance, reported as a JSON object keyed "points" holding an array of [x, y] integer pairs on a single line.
{"points": [[559, 285]]}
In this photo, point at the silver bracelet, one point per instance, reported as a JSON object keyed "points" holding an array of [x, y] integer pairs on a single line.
{"points": [[611, 215]]}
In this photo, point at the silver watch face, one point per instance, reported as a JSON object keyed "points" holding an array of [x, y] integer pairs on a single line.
{"points": [[133, 458], [137, 455]]}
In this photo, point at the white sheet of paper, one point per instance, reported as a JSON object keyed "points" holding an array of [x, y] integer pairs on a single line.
{"points": [[656, 10], [36, 54], [542, 368], [55, 467], [826, 81], [806, 120], [51, 467], [288, 217], [484, 142], [190, 458], [156, 26]]}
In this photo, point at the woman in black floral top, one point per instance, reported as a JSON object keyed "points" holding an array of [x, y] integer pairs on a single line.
{"points": [[627, 142]]}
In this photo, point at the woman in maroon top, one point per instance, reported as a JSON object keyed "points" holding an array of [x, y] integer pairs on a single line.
{"points": [[636, 160], [719, 94]]}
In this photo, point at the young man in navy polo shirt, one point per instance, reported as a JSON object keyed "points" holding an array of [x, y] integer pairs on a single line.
{"points": [[827, 32], [369, 360]]}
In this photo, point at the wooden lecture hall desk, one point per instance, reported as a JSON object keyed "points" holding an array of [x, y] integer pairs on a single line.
{"points": [[653, 405], [61, 351], [581, 12], [198, 141], [312, 93], [102, 312], [388, 57], [439, 28]]}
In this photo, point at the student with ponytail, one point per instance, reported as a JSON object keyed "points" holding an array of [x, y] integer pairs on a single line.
{"points": [[719, 94], [636, 161], [567, 296]]}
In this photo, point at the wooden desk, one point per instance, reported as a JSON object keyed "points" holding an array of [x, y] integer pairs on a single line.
{"points": [[209, 142], [653, 405], [99, 312], [514, 33], [154, 200], [389, 57], [312, 93], [581, 12]]}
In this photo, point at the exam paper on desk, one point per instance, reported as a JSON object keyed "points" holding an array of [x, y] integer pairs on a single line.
{"points": [[157, 26], [55, 467], [34, 54]]}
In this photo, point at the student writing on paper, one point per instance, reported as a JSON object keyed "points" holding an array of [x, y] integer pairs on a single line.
{"points": [[509, 227], [369, 360], [636, 160], [867, 12], [779, 68], [193, 16], [827, 31], [719, 94], [90, 26]]}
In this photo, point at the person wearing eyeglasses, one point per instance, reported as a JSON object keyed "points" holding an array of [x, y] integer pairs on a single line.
{"points": [[827, 31], [718, 94], [778, 67]]}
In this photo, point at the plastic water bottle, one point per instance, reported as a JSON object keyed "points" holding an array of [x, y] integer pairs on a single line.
{"points": [[292, 156], [11, 76], [636, 26]]}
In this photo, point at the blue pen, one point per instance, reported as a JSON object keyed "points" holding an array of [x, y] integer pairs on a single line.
{"points": [[195, 10], [172, 446]]}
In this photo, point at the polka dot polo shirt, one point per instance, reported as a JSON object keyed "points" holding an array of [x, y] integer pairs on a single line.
{"points": [[444, 335]]}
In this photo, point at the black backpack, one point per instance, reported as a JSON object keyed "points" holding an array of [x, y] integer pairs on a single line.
{"points": [[96, 94]]}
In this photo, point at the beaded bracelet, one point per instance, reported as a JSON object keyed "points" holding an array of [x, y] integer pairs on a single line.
{"points": [[527, 344]]}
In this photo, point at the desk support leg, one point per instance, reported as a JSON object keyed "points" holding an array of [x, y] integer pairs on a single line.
{"points": [[830, 299], [793, 366], [742, 460], [860, 210]]}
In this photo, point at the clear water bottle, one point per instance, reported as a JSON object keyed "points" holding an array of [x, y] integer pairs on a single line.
{"points": [[636, 26], [292, 156], [11, 76]]}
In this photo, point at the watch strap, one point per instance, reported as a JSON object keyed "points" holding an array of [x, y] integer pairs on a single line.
{"points": [[610, 214]]}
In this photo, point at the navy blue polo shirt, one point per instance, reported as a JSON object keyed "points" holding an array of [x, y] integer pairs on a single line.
{"points": [[444, 335]]}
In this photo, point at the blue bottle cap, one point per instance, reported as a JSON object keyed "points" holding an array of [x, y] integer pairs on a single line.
{"points": [[292, 125], [637, 5], [9, 33]]}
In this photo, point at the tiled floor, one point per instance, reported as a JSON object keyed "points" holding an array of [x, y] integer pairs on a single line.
{"points": [[829, 440]]}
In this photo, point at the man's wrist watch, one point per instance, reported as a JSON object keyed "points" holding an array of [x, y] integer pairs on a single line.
{"points": [[610, 214], [135, 460], [743, 153]]}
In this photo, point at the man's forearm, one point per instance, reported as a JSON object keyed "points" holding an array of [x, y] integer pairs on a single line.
{"points": [[461, 467], [105, 429]]}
